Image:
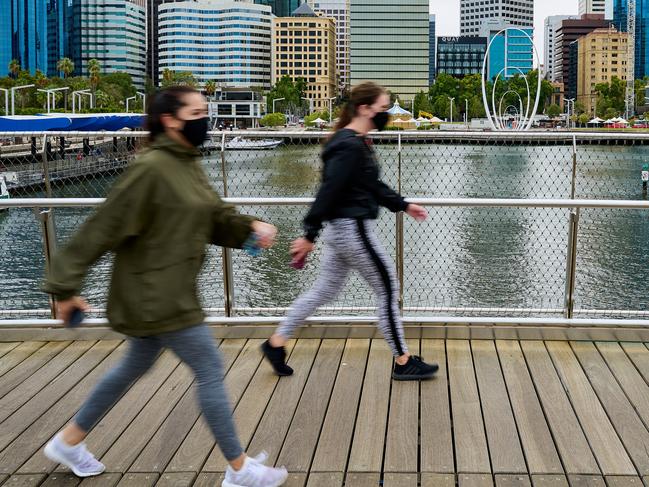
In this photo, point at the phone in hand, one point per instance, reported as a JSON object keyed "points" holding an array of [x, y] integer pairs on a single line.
{"points": [[298, 264], [76, 318]]}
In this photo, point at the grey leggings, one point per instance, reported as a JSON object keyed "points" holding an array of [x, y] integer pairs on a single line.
{"points": [[352, 245], [194, 346]]}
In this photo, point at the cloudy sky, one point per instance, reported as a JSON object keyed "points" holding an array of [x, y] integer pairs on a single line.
{"points": [[448, 16]]}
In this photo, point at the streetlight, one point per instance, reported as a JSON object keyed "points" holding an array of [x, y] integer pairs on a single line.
{"points": [[570, 100], [452, 99], [78, 94], [331, 107], [13, 96], [310, 103], [466, 112], [129, 99], [6, 91], [143, 100], [274, 100], [53, 91]]}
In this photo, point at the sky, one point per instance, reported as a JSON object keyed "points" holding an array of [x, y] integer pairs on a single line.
{"points": [[448, 16]]}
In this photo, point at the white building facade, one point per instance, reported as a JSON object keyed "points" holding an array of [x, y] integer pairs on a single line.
{"points": [[551, 25], [592, 7], [514, 13]]}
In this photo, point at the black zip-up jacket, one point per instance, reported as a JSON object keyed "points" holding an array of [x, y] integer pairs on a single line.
{"points": [[351, 185]]}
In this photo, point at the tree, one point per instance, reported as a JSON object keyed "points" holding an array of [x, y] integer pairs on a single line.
{"points": [[422, 104], [583, 119], [178, 78], [273, 120], [554, 110], [65, 66], [309, 119], [14, 68], [292, 93], [210, 88], [94, 72]]}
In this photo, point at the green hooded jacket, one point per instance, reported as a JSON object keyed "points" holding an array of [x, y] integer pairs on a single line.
{"points": [[157, 220]]}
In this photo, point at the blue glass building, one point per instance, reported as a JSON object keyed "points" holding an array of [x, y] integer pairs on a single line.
{"points": [[641, 32], [511, 52], [432, 49], [281, 8], [23, 34]]}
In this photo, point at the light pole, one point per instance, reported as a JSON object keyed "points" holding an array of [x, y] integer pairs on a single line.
{"points": [[331, 108], [13, 96], [75, 95], [129, 99], [452, 99], [274, 100], [6, 91], [53, 91], [466, 112], [412, 107], [310, 103], [143, 100], [570, 100]]}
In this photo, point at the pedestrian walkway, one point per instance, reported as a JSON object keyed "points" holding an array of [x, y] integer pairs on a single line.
{"points": [[504, 413]]}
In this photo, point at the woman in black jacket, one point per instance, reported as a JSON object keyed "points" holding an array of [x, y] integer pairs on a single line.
{"points": [[349, 199]]}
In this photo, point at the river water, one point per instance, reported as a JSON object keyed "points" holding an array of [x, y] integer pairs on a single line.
{"points": [[461, 261]]}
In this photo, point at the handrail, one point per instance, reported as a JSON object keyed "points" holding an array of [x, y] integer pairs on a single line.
{"points": [[432, 202]]}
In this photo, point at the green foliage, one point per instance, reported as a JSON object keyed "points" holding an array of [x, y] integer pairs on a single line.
{"points": [[583, 119], [65, 66], [291, 92], [177, 78], [273, 120], [554, 111], [308, 120]]}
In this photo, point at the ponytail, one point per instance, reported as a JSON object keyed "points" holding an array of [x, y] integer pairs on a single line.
{"points": [[364, 94]]}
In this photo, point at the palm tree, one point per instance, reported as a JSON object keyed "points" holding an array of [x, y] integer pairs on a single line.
{"points": [[94, 70], [65, 66], [210, 88], [14, 68]]}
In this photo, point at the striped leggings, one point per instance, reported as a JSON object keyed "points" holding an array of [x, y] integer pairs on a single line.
{"points": [[352, 245]]}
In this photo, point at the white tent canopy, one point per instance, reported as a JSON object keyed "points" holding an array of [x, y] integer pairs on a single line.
{"points": [[319, 121], [397, 110], [436, 120], [596, 120], [423, 119]]}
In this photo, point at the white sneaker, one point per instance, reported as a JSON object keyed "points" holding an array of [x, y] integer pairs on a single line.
{"points": [[255, 474], [77, 458]]}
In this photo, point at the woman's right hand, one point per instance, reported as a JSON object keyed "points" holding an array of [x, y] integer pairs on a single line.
{"points": [[301, 247], [65, 308], [266, 233]]}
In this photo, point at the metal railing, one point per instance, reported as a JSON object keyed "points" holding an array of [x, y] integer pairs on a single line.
{"points": [[555, 190]]}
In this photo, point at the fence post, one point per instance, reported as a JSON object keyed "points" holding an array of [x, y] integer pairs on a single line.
{"points": [[49, 244], [399, 230], [228, 274], [574, 168], [571, 264]]}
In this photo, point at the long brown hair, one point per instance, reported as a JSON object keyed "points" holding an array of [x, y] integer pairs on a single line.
{"points": [[364, 94]]}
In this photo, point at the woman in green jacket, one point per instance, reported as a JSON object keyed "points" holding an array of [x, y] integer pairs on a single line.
{"points": [[157, 220]]}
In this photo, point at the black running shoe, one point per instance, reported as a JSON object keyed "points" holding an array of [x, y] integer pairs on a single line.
{"points": [[277, 358], [414, 369]]}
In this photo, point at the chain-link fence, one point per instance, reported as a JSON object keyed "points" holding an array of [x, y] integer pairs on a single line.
{"points": [[480, 261]]}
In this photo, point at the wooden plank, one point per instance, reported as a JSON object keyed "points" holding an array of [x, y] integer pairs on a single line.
{"points": [[586, 481], [254, 402], [362, 480], [302, 437], [28, 429], [437, 479], [5, 348], [502, 435], [325, 479], [138, 480], [569, 438], [128, 446], [401, 451], [103, 480], [549, 481], [177, 479], [118, 419], [436, 429], [627, 423], [369, 434], [632, 382], [534, 432], [400, 480], [31, 386], [626, 481], [639, 355], [473, 479], [5, 476], [198, 444], [336, 436], [295, 480], [603, 439], [33, 363], [66, 479], [207, 479], [29, 480], [470, 440], [17, 355], [276, 421], [512, 480], [165, 442]]}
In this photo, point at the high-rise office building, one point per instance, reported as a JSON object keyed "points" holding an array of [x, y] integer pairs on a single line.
{"points": [[512, 49], [390, 44], [23, 35], [641, 32], [304, 46], [432, 49], [516, 13], [281, 8], [460, 56], [338, 10], [569, 31], [113, 33], [225, 41], [152, 40], [592, 7], [551, 26], [602, 55]]}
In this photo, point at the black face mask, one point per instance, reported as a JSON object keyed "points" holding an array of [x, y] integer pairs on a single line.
{"points": [[380, 120], [195, 131]]}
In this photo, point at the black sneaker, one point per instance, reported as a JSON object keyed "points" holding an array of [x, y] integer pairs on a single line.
{"points": [[414, 369], [277, 358]]}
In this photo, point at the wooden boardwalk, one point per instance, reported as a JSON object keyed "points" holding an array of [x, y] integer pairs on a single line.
{"points": [[503, 413]]}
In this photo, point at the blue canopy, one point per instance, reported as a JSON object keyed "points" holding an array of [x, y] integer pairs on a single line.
{"points": [[66, 122]]}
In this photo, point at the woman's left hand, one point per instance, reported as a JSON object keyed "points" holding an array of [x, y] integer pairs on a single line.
{"points": [[266, 233], [417, 212]]}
